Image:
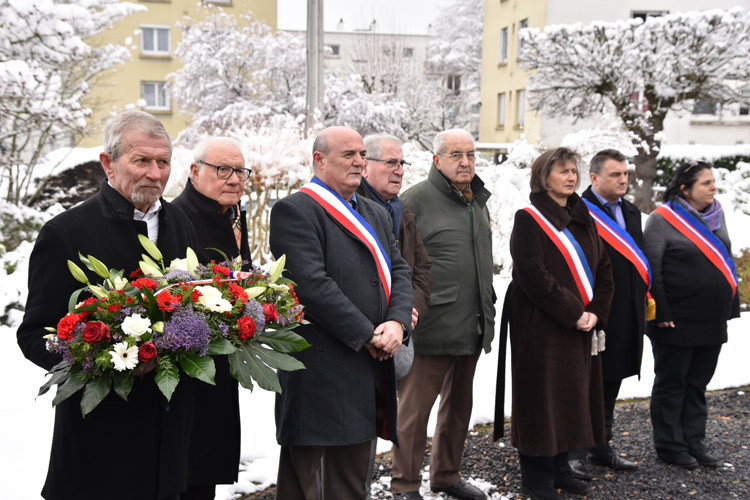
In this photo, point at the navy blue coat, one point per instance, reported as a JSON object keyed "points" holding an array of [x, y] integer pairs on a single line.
{"points": [[344, 396]]}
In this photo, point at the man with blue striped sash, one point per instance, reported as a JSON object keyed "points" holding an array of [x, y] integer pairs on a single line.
{"points": [[608, 171]]}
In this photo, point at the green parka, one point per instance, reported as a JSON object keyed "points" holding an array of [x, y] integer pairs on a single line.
{"points": [[458, 239]]}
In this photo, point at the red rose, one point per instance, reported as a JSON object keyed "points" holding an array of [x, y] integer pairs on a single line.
{"points": [[224, 271], [270, 312], [95, 332], [66, 325], [137, 273], [246, 327], [167, 302], [147, 352], [84, 314], [147, 282]]}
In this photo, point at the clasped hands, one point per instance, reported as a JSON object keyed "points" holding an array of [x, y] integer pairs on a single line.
{"points": [[587, 321], [386, 339]]}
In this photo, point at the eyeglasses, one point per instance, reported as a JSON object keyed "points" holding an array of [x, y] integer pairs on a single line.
{"points": [[457, 156], [225, 172], [392, 163]]}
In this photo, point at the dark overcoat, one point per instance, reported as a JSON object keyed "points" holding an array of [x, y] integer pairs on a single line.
{"points": [[123, 449], [627, 316], [688, 289], [557, 386], [344, 396], [215, 442]]}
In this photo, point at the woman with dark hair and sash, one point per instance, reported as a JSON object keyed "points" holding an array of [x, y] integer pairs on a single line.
{"points": [[695, 288], [560, 295]]}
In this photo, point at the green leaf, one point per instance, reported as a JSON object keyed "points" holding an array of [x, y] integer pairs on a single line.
{"points": [[150, 247], [76, 381], [283, 340], [223, 255], [200, 367], [59, 372], [73, 300], [278, 360], [220, 346], [124, 383], [167, 377], [99, 267], [77, 272], [239, 370], [153, 307], [94, 393], [253, 367]]}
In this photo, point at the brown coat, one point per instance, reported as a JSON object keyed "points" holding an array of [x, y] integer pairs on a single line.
{"points": [[557, 385]]}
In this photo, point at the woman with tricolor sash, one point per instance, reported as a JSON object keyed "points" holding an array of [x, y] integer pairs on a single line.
{"points": [[561, 291], [695, 288]]}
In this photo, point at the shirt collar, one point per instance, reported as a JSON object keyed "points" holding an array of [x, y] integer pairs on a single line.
{"points": [[604, 202]]}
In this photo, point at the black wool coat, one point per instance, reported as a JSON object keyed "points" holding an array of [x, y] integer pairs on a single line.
{"points": [[215, 442], [627, 316], [123, 449], [557, 401], [344, 396]]}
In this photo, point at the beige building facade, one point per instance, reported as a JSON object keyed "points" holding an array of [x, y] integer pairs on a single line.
{"points": [[153, 36], [504, 114]]}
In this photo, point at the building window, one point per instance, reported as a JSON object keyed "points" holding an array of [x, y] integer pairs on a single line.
{"points": [[333, 50], [645, 14], [523, 23], [501, 109], [520, 103], [704, 107], [744, 111], [387, 51], [155, 40], [502, 51], [156, 95], [408, 52], [454, 84]]}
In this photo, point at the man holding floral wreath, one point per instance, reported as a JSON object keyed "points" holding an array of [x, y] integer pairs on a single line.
{"points": [[357, 293], [134, 449]]}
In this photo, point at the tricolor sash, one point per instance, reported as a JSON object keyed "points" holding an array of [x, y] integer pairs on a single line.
{"points": [[353, 222], [619, 239], [571, 252], [702, 237]]}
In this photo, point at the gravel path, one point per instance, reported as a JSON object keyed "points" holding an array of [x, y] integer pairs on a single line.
{"points": [[494, 466]]}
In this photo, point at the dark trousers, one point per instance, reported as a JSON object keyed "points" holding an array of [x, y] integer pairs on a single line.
{"points": [[540, 473], [343, 471], [678, 399], [202, 492]]}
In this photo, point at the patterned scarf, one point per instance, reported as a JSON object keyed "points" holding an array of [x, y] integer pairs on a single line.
{"points": [[711, 214]]}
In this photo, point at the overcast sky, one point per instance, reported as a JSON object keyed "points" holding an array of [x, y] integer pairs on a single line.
{"points": [[393, 16]]}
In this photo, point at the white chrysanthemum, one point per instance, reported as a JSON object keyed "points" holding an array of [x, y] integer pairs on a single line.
{"points": [[212, 300], [178, 264], [136, 325], [120, 283], [279, 288], [124, 357]]}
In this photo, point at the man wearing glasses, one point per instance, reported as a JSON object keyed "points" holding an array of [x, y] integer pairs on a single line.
{"points": [[454, 223], [211, 199]]}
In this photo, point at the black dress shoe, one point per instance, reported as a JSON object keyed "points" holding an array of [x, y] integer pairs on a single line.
{"points": [[462, 490], [679, 458], [705, 459], [613, 461], [408, 495], [567, 482], [540, 493], [580, 469]]}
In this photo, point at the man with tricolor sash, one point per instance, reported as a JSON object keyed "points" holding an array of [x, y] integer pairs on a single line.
{"points": [[618, 223], [357, 292]]}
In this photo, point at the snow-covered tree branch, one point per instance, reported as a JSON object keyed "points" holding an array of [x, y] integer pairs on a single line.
{"points": [[641, 70]]}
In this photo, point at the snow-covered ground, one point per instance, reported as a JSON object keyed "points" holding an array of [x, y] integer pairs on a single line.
{"points": [[26, 423]]}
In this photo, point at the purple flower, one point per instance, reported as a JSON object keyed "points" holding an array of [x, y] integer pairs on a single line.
{"points": [[254, 309], [179, 275], [186, 329], [291, 314], [224, 328]]}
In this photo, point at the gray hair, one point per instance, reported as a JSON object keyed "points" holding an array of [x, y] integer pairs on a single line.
{"points": [[597, 162], [438, 143], [126, 121], [320, 143], [372, 143], [199, 151]]}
